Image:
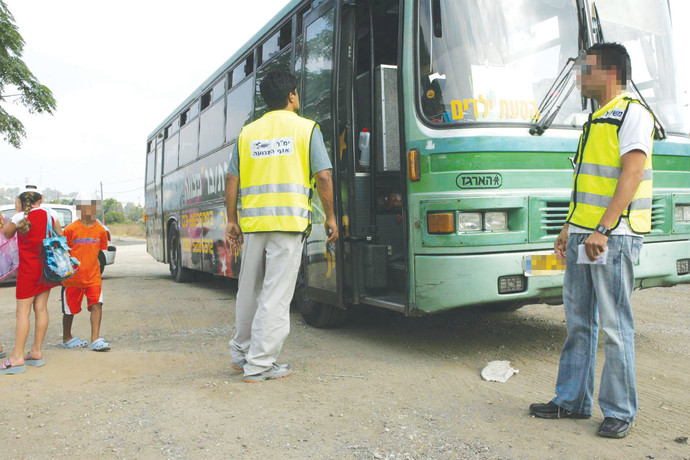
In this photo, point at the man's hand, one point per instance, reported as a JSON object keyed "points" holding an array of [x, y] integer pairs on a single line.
{"points": [[331, 230], [561, 242], [595, 245], [233, 235]]}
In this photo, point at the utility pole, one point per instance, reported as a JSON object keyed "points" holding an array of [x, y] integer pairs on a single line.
{"points": [[102, 207]]}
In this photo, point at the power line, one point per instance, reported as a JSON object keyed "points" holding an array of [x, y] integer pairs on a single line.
{"points": [[124, 191], [123, 181]]}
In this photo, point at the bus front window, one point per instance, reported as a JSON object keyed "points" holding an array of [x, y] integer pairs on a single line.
{"points": [[493, 62], [644, 28]]}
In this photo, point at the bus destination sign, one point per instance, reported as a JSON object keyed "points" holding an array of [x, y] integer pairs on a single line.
{"points": [[479, 180]]}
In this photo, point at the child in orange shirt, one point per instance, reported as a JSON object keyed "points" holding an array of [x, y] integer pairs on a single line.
{"points": [[86, 237]]}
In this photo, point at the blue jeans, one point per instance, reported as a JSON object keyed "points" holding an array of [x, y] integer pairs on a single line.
{"points": [[593, 295]]}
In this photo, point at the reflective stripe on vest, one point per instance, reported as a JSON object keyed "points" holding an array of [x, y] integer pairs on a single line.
{"points": [[599, 167], [274, 173]]}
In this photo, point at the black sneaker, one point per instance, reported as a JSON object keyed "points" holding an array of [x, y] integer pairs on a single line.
{"points": [[614, 428], [552, 410]]}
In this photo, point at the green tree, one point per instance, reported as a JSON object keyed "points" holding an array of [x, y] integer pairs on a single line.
{"points": [[114, 217], [134, 212], [111, 204], [17, 79]]}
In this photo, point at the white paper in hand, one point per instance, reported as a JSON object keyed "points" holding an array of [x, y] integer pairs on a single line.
{"points": [[583, 259]]}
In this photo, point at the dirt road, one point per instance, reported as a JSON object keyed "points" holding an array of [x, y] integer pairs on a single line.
{"points": [[383, 386]]}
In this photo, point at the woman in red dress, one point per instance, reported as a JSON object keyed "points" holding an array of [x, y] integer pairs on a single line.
{"points": [[32, 288]]}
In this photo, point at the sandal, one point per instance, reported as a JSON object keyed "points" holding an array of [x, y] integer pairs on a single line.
{"points": [[99, 345], [8, 368], [33, 361], [76, 342]]}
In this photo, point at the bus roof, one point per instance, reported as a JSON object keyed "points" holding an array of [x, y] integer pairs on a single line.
{"points": [[292, 4]]}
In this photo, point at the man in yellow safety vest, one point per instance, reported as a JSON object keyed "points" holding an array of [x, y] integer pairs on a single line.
{"points": [[271, 169], [610, 210]]}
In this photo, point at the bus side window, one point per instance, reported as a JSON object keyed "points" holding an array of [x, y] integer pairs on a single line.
{"points": [[212, 123], [150, 162], [239, 109], [159, 157]]}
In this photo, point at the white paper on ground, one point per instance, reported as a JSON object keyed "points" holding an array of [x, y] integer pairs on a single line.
{"points": [[583, 259], [498, 371]]}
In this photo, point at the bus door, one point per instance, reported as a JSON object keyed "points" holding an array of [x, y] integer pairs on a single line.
{"points": [[369, 156], [321, 269], [154, 199]]}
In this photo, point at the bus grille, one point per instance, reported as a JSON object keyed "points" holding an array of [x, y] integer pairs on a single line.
{"points": [[553, 215], [658, 214]]}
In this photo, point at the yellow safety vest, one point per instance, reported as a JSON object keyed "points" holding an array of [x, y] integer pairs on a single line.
{"points": [[274, 173], [598, 167]]}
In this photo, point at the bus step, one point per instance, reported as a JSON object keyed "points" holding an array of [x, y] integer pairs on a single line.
{"points": [[394, 302]]}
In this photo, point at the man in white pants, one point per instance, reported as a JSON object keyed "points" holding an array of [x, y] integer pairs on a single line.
{"points": [[274, 160]]}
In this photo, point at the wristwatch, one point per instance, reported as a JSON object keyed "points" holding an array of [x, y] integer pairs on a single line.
{"points": [[603, 230]]}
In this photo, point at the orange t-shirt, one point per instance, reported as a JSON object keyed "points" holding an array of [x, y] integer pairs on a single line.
{"points": [[85, 243]]}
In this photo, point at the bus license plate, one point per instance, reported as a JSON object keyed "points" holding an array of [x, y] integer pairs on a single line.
{"points": [[543, 264]]}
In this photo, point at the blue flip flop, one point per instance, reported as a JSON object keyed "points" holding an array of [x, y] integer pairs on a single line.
{"points": [[76, 342], [3, 354], [34, 362], [8, 369]]}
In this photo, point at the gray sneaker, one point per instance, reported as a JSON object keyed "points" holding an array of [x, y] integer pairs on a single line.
{"points": [[239, 365], [278, 371]]}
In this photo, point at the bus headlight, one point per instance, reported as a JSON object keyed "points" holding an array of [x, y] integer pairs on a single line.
{"points": [[682, 213], [496, 221], [470, 221]]}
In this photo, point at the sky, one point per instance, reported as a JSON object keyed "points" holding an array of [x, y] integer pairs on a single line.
{"points": [[117, 69]]}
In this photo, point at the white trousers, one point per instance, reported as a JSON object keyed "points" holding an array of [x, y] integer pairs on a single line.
{"points": [[270, 263]]}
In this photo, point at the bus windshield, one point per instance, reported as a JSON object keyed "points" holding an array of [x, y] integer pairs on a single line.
{"points": [[644, 28], [494, 61]]}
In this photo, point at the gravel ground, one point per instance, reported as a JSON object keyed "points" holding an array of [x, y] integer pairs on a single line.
{"points": [[380, 387]]}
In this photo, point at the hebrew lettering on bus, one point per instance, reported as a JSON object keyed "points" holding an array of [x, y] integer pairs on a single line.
{"points": [[192, 187], [197, 245], [482, 107], [215, 178], [197, 220]]}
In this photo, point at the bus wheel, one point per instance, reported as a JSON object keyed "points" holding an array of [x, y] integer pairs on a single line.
{"points": [[317, 314], [177, 271]]}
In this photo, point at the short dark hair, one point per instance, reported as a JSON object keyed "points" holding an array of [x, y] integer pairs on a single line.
{"points": [[276, 87], [613, 55]]}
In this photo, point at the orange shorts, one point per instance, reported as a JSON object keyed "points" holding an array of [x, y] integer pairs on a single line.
{"points": [[72, 297]]}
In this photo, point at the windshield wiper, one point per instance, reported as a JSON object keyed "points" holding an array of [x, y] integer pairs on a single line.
{"points": [[557, 94]]}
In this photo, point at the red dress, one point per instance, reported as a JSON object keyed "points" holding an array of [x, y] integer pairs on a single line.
{"points": [[30, 279]]}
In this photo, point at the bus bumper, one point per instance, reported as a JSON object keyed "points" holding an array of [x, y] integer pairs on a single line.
{"points": [[447, 282]]}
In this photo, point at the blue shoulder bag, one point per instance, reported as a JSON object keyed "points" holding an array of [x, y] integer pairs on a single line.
{"points": [[59, 265]]}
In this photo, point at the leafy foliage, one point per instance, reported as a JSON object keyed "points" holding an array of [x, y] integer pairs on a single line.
{"points": [[114, 217], [16, 78], [111, 204]]}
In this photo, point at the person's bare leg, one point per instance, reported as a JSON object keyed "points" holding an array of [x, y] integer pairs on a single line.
{"points": [[21, 331], [96, 315], [41, 326], [67, 321]]}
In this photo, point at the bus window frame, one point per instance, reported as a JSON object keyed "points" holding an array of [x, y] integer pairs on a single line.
{"points": [[150, 156], [419, 114]]}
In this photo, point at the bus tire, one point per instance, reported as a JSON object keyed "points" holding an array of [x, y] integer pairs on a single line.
{"points": [[317, 314], [178, 273]]}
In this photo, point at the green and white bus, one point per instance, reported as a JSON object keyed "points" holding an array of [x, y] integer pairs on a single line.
{"points": [[451, 126]]}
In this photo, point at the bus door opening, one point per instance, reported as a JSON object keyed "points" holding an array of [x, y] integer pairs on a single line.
{"points": [[379, 271]]}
